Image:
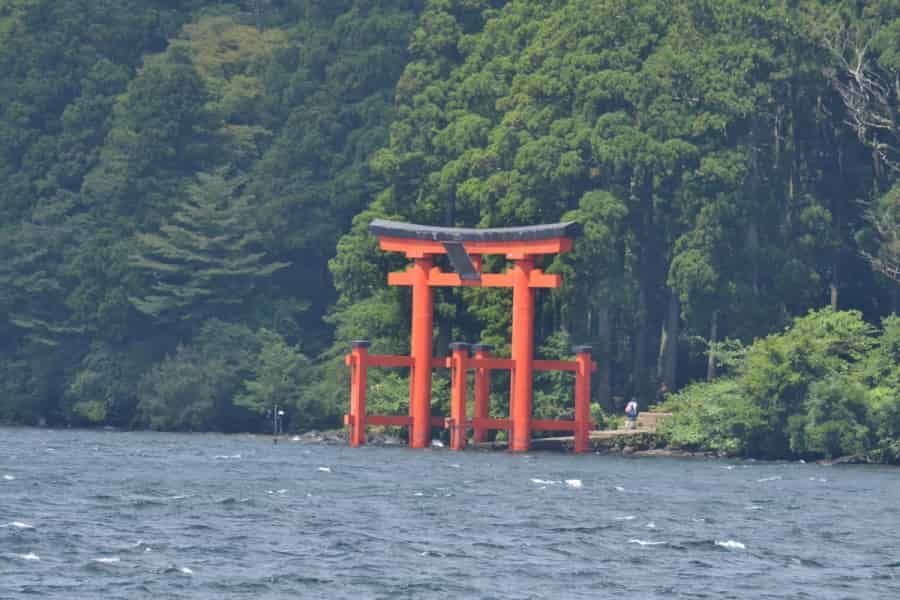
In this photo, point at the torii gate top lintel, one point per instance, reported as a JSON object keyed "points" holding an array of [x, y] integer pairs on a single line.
{"points": [[417, 241], [396, 229]]}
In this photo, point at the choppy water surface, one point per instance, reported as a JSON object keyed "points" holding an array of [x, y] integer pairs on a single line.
{"points": [[134, 515]]}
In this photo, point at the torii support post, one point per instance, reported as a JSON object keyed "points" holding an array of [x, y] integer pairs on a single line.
{"points": [[522, 384], [421, 350], [582, 398], [481, 410], [458, 423], [356, 420]]}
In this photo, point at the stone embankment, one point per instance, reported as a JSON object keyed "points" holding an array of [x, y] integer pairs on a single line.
{"points": [[642, 439]]}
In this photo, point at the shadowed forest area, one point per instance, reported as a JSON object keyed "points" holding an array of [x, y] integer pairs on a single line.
{"points": [[187, 185]]}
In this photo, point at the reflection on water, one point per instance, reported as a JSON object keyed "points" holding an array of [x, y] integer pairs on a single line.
{"points": [[132, 515]]}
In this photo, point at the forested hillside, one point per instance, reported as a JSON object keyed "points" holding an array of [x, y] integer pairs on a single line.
{"points": [[187, 187]]}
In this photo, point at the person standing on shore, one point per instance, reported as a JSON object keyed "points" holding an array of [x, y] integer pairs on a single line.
{"points": [[631, 412]]}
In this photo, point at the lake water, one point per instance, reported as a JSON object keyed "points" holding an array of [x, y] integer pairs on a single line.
{"points": [[139, 515]]}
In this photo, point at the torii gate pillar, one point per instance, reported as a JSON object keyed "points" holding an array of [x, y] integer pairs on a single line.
{"points": [[522, 383], [420, 351]]}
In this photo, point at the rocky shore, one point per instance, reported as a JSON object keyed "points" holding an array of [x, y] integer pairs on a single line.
{"points": [[634, 444]]}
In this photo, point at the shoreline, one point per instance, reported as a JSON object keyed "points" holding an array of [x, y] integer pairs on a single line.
{"points": [[335, 437]]}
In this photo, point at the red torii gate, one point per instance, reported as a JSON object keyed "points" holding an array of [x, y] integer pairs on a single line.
{"points": [[465, 249]]}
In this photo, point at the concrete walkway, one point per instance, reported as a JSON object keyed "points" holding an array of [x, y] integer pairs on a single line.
{"points": [[647, 424]]}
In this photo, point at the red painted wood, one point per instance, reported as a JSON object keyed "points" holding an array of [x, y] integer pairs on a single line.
{"points": [[555, 365], [583, 402], [482, 396], [492, 423], [437, 278], [357, 423], [458, 425], [421, 345], [522, 380], [495, 364], [396, 420], [512, 249], [389, 360]]}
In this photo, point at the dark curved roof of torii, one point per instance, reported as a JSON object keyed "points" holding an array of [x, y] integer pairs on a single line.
{"points": [[412, 231]]}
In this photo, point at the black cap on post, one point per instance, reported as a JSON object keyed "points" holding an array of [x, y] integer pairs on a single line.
{"points": [[360, 344], [582, 349], [482, 347], [460, 346]]}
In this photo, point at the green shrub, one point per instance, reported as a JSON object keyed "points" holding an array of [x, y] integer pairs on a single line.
{"points": [[780, 368], [181, 392], [834, 422], [714, 416], [601, 419]]}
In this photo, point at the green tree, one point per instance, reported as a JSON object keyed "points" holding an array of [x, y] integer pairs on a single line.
{"points": [[834, 422], [880, 242], [181, 392], [279, 380], [203, 260], [162, 132]]}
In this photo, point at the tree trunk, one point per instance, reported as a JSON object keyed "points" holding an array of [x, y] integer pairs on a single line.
{"points": [[667, 361], [753, 249], [639, 373], [839, 190], [442, 347], [711, 355], [604, 335], [646, 258]]}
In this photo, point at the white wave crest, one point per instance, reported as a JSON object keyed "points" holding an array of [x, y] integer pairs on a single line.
{"points": [[645, 542], [107, 560], [226, 456], [772, 478], [18, 525], [8, 477], [186, 570], [29, 556], [619, 488], [650, 525], [574, 483], [626, 518], [544, 481], [324, 469], [731, 545]]}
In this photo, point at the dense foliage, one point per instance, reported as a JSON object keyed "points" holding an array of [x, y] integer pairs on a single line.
{"points": [[827, 386], [187, 186]]}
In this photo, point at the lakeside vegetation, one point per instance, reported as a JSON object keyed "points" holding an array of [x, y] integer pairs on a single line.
{"points": [[187, 184], [828, 386]]}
